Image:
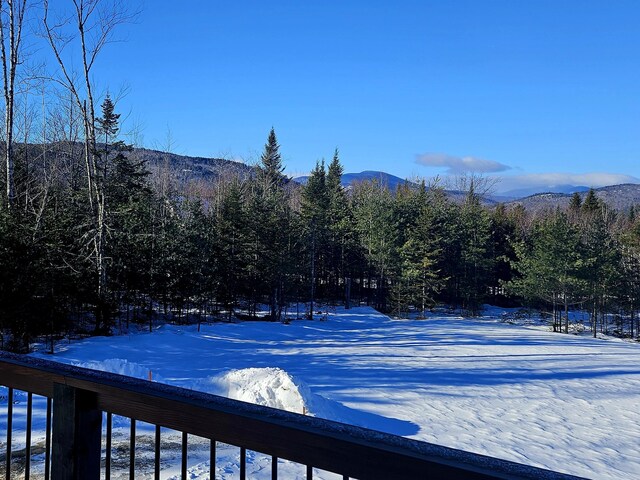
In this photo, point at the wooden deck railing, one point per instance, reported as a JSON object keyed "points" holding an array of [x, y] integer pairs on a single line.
{"points": [[77, 399]]}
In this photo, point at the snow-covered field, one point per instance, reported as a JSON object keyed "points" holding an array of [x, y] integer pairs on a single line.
{"points": [[563, 402]]}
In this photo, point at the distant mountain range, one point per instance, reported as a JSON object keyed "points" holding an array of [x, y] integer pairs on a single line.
{"points": [[186, 168], [527, 192], [620, 197]]}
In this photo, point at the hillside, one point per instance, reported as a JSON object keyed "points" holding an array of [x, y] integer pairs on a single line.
{"points": [[186, 167], [620, 197]]}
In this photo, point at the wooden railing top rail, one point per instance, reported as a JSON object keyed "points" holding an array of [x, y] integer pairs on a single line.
{"points": [[348, 450]]}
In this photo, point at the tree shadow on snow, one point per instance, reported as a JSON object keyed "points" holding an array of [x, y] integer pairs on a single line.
{"points": [[325, 408]]}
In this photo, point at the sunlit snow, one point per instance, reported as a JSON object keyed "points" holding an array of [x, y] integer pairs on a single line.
{"points": [[563, 402]]}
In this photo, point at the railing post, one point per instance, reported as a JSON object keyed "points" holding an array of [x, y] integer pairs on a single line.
{"points": [[77, 432]]}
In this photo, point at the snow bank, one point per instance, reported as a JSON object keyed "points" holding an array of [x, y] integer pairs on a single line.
{"points": [[121, 366], [270, 386]]}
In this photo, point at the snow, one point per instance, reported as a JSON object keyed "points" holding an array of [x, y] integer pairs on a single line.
{"points": [[563, 402], [271, 387]]}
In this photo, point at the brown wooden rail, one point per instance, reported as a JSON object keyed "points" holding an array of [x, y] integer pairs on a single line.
{"points": [[80, 396]]}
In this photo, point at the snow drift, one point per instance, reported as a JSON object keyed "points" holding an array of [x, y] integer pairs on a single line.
{"points": [[269, 387]]}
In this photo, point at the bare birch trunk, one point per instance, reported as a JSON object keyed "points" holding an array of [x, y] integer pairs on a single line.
{"points": [[91, 16], [10, 63]]}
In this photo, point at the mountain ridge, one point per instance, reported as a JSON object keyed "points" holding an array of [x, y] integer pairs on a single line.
{"points": [[621, 197]]}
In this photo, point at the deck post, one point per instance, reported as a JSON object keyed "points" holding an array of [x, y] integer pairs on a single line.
{"points": [[77, 432]]}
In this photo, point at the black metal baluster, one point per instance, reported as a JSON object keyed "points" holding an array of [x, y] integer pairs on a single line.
{"points": [[47, 441], [132, 450], [107, 456], [184, 455], [9, 431], [212, 460], [156, 462], [274, 468], [309, 472], [243, 463], [27, 448]]}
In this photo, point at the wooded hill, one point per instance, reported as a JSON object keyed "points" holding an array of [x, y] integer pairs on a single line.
{"points": [[619, 197]]}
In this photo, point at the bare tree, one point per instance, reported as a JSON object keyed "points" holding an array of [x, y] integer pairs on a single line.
{"points": [[95, 23], [11, 21]]}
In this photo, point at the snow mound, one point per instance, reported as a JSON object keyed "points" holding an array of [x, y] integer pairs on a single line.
{"points": [[270, 387]]}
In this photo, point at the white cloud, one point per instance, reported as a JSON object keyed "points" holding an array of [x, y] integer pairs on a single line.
{"points": [[548, 181], [459, 165]]}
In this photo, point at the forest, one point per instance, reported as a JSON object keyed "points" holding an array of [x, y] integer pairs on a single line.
{"points": [[253, 246], [90, 239]]}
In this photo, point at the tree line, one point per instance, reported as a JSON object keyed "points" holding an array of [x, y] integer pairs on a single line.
{"points": [[253, 246]]}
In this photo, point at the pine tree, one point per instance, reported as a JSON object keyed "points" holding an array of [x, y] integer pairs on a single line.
{"points": [[271, 167], [269, 221], [591, 202], [549, 266], [314, 208], [232, 248], [378, 233], [601, 261], [503, 233], [342, 241], [575, 203], [420, 279], [629, 287], [124, 205], [475, 262]]}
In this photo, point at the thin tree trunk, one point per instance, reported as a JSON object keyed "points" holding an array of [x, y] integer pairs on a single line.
{"points": [[9, 66], [566, 314], [313, 272]]}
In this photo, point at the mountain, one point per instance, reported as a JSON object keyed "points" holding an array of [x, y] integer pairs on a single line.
{"points": [[527, 192], [190, 168], [391, 181], [619, 197], [186, 168]]}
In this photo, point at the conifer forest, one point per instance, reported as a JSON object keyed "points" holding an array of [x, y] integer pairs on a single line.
{"points": [[91, 239]]}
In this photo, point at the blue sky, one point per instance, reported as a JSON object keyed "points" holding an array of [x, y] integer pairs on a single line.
{"points": [[538, 91]]}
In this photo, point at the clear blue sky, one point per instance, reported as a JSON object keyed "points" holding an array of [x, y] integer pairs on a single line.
{"points": [[504, 87]]}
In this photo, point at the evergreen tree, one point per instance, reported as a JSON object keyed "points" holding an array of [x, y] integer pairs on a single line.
{"points": [[591, 202], [271, 167], [315, 203], [503, 234], [378, 233], [549, 267], [269, 221], [629, 287], [342, 241], [601, 261], [575, 203], [125, 202], [420, 279], [232, 247], [475, 262]]}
